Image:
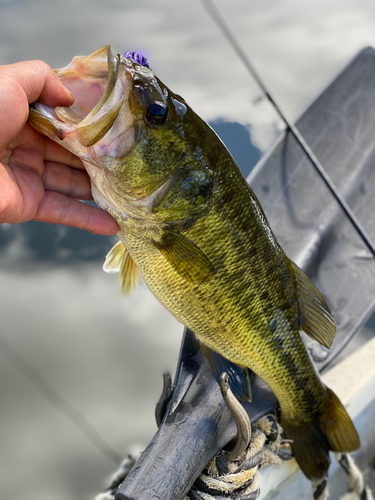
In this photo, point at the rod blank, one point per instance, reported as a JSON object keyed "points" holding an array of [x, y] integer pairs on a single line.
{"points": [[216, 16]]}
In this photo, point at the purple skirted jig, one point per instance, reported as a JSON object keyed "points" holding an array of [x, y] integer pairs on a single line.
{"points": [[137, 57]]}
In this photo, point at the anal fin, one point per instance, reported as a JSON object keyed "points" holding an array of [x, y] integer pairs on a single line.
{"points": [[317, 321]]}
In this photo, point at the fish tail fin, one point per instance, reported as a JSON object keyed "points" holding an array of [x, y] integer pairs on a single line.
{"points": [[338, 426], [331, 429]]}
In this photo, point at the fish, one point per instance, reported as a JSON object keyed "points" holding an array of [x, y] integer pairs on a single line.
{"points": [[193, 230]]}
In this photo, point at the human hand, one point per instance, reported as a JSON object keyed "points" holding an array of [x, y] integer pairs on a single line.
{"points": [[39, 179]]}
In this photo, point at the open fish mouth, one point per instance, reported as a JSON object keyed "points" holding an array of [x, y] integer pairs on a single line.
{"points": [[101, 84]]}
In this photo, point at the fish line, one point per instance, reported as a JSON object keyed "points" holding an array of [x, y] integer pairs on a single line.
{"points": [[219, 21], [59, 402]]}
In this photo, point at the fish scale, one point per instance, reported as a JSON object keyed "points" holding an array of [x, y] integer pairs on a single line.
{"points": [[219, 301], [194, 230]]}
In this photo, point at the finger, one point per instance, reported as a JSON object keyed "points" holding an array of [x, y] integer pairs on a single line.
{"points": [[60, 209], [39, 82], [11, 201], [21, 84], [56, 153], [69, 181]]}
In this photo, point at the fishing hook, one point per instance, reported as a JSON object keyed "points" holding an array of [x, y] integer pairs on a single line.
{"points": [[240, 416]]}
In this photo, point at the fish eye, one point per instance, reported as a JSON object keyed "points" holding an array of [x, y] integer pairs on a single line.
{"points": [[157, 113]]}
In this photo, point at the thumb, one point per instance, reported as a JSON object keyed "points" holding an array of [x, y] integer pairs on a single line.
{"points": [[21, 84], [39, 82]]}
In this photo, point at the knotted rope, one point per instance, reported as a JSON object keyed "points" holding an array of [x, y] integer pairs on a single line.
{"points": [[240, 479]]}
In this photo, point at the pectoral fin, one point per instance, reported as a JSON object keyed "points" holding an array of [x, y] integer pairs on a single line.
{"points": [[185, 257], [316, 321], [239, 376], [119, 260]]}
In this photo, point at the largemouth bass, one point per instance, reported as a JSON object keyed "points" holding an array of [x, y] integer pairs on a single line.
{"points": [[194, 231]]}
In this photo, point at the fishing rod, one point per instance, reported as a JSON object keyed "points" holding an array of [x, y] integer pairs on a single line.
{"points": [[214, 13], [61, 404]]}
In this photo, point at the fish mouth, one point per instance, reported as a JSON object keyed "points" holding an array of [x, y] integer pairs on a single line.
{"points": [[101, 84]]}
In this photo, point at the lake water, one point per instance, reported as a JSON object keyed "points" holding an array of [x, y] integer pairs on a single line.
{"points": [[105, 354]]}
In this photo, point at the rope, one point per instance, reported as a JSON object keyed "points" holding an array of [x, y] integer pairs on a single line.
{"points": [[357, 487], [240, 479], [117, 478], [321, 490]]}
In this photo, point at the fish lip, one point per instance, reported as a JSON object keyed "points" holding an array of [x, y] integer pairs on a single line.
{"points": [[92, 70], [101, 90]]}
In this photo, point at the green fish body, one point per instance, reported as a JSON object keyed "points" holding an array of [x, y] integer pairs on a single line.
{"points": [[194, 231]]}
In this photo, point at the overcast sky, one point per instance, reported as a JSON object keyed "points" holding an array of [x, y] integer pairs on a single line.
{"points": [[297, 46]]}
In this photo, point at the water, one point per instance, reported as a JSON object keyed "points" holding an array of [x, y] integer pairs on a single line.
{"points": [[105, 354]]}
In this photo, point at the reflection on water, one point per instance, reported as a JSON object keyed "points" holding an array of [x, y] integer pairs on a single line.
{"points": [[237, 139], [104, 353], [47, 242], [99, 351]]}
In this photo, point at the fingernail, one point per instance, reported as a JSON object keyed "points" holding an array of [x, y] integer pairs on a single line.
{"points": [[70, 94]]}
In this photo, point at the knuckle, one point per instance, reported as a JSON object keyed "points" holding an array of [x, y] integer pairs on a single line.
{"points": [[9, 210], [65, 211], [42, 65], [87, 225], [74, 183]]}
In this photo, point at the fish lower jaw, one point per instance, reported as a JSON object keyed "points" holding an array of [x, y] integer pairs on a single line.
{"points": [[112, 208], [121, 210], [100, 116]]}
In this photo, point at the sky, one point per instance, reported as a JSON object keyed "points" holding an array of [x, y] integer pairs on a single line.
{"points": [[103, 352], [298, 47]]}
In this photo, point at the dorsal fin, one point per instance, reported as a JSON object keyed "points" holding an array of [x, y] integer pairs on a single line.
{"points": [[119, 260], [185, 257], [316, 321]]}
